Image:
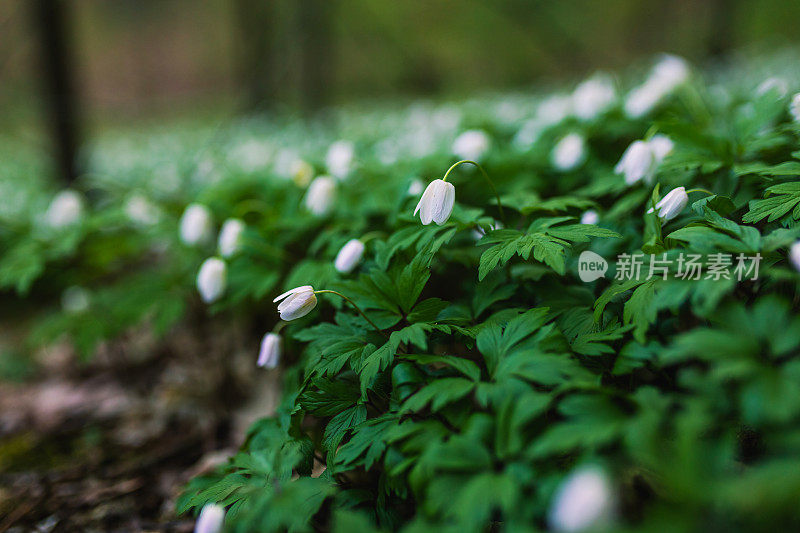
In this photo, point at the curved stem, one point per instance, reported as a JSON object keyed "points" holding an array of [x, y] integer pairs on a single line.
{"points": [[488, 179], [351, 302], [279, 326], [371, 235], [700, 189]]}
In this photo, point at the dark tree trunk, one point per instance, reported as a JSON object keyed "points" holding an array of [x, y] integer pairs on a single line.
{"points": [[258, 70], [59, 86]]}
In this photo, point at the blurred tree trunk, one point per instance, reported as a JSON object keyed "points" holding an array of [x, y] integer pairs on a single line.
{"points": [[257, 24], [315, 32], [50, 19], [721, 33]]}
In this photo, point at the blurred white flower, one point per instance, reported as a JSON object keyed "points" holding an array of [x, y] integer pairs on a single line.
{"points": [[349, 256], [212, 279], [141, 211], [195, 225], [794, 255], [794, 107], [339, 159], [471, 145], [569, 152], [669, 73], [528, 134], [75, 299], [302, 172], [230, 237], [436, 204], [662, 146], [774, 84], [65, 209], [672, 204], [320, 194], [416, 187], [297, 302], [590, 217], [210, 520], [270, 354], [593, 96], [554, 109], [251, 155], [479, 232], [641, 158], [584, 500]]}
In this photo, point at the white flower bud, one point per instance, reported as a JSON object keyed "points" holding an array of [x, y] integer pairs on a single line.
{"points": [[230, 237], [569, 153], [141, 211], [590, 217], [212, 279], [195, 226], [436, 204], [672, 204], [585, 500], [349, 256], [65, 209], [297, 302], [211, 519], [638, 162], [270, 354], [471, 145], [794, 255], [593, 96], [320, 194], [75, 300], [339, 158], [794, 107]]}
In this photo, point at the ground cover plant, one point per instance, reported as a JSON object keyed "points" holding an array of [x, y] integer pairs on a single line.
{"points": [[570, 310]]}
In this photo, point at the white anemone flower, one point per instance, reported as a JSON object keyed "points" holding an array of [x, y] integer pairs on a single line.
{"points": [[794, 255], [270, 353], [471, 145], [593, 96], [569, 153], [230, 237], [794, 107], [637, 162], [320, 195], [590, 217], [436, 204], [583, 501], [349, 256], [672, 204], [65, 209], [196, 225], [212, 279], [211, 519], [297, 302], [339, 159], [141, 211]]}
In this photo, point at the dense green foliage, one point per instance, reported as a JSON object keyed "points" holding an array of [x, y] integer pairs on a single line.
{"points": [[496, 371]]}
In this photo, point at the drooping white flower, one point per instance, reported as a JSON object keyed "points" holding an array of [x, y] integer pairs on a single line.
{"points": [[641, 100], [638, 162], [339, 159], [794, 107], [773, 84], [196, 225], [65, 209], [569, 152], [794, 255], [436, 204], [141, 211], [662, 146], [212, 279], [349, 256], [471, 145], [672, 204], [669, 73], [320, 194], [297, 302], [75, 299], [593, 96], [416, 187], [302, 172], [590, 217], [230, 237], [584, 500], [211, 519], [270, 354]]}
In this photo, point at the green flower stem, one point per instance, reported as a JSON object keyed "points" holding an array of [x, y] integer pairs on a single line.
{"points": [[488, 179], [371, 235], [699, 189], [351, 302], [279, 326]]}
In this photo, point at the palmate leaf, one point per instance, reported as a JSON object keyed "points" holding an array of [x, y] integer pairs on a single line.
{"points": [[545, 238], [779, 200]]}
